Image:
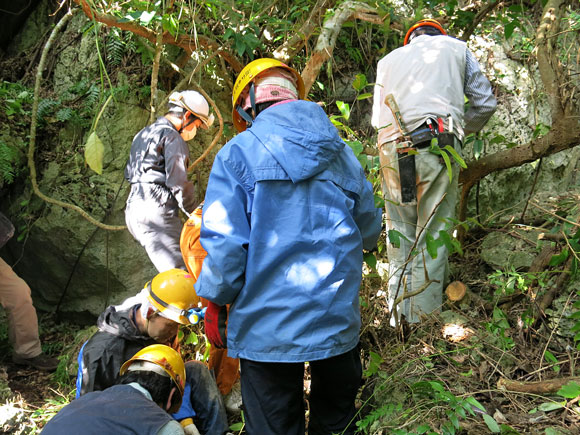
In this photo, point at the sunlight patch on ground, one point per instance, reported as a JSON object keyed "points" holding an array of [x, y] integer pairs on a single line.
{"points": [[456, 333]]}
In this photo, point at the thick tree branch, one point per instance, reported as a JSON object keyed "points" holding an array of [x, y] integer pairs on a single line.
{"points": [[565, 134], [547, 61], [328, 35], [185, 42], [290, 47]]}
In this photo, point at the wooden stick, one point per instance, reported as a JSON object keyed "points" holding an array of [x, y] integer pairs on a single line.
{"points": [[540, 387]]}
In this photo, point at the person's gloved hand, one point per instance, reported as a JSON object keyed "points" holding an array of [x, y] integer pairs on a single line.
{"points": [[215, 324], [188, 427], [186, 410]]}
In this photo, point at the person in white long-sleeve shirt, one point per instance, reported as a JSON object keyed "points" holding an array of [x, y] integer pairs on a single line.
{"points": [[428, 79]]}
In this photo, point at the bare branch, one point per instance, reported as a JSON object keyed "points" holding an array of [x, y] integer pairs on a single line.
{"points": [[328, 35], [155, 75], [290, 47]]}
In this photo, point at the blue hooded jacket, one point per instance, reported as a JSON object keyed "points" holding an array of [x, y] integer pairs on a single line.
{"points": [[287, 213]]}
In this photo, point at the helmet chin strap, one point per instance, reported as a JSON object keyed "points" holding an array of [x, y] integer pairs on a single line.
{"points": [[245, 115]]}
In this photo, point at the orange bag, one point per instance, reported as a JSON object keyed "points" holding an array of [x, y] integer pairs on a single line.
{"points": [[226, 369]]}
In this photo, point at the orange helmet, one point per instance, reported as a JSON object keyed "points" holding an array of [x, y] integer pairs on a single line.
{"points": [[421, 23]]}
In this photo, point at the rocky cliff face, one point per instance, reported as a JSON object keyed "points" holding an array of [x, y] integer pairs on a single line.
{"points": [[70, 264]]}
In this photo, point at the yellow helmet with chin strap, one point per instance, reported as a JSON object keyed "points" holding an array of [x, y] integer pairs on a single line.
{"points": [[248, 75], [162, 360], [172, 294]]}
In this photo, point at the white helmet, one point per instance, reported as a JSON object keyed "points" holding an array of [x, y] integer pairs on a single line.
{"points": [[194, 102]]}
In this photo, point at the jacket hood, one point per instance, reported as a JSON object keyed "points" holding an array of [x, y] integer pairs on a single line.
{"points": [[120, 323], [299, 136]]}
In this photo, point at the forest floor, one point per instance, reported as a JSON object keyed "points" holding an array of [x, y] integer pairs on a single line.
{"points": [[499, 361]]}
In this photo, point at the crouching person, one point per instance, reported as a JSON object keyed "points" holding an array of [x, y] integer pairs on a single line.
{"points": [[151, 384], [152, 317]]}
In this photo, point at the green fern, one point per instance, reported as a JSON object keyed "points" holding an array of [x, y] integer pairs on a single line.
{"points": [[131, 46], [8, 163], [65, 114], [93, 97], [46, 108], [115, 48]]}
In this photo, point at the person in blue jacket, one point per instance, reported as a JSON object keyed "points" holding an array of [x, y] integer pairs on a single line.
{"points": [[151, 384], [287, 214]]}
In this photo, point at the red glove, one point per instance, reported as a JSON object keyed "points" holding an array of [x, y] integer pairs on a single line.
{"points": [[215, 325]]}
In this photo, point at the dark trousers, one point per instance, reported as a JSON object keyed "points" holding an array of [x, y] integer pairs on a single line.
{"points": [[273, 396]]}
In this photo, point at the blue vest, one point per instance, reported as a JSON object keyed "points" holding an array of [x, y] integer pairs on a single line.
{"points": [[120, 409]]}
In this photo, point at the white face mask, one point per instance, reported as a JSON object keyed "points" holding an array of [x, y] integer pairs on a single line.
{"points": [[189, 133]]}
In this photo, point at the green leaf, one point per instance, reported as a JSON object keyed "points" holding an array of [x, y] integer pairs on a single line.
{"points": [[364, 96], [371, 260], [446, 239], [477, 148], [473, 401], [359, 82], [356, 145], [448, 164], [570, 391], [456, 156], [94, 151], [550, 357], [491, 423], [509, 28], [508, 430], [432, 245], [394, 238], [344, 109], [192, 339], [240, 46], [237, 426], [497, 139], [437, 386], [556, 260], [551, 406]]}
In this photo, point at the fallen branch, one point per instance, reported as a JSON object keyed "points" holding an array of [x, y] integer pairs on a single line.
{"points": [[540, 387]]}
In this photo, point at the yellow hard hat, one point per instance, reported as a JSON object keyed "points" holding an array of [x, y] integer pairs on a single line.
{"points": [[426, 22], [248, 74], [172, 293], [160, 359]]}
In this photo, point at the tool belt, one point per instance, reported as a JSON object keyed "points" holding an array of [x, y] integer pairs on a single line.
{"points": [[417, 139]]}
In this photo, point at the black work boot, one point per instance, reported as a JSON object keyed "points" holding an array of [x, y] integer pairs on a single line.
{"points": [[39, 362]]}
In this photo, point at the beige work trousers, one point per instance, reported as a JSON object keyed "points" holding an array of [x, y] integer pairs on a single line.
{"points": [[22, 320], [436, 201]]}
